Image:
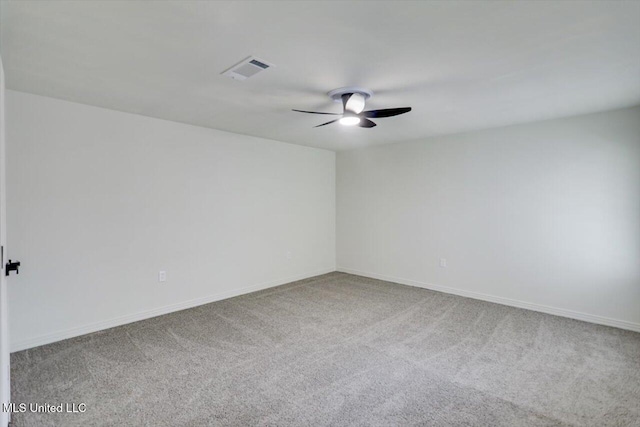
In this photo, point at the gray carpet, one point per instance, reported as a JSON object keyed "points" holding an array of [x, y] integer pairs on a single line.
{"points": [[339, 350]]}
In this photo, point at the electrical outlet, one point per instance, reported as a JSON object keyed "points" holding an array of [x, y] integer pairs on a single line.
{"points": [[288, 255], [443, 262], [162, 276]]}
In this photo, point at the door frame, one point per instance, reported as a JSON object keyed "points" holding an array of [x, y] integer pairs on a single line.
{"points": [[5, 371]]}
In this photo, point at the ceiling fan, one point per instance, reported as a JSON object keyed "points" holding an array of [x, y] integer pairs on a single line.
{"points": [[353, 100]]}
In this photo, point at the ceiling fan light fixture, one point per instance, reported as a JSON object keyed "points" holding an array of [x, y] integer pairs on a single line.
{"points": [[349, 120], [353, 102]]}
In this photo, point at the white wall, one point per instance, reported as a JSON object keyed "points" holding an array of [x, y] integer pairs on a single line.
{"points": [[99, 201], [544, 216]]}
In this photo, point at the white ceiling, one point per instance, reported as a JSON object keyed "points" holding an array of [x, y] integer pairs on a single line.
{"points": [[460, 65]]}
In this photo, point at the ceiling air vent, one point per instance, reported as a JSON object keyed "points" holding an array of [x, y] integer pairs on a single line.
{"points": [[246, 68]]}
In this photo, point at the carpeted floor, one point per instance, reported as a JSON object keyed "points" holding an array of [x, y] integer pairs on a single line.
{"points": [[339, 350]]}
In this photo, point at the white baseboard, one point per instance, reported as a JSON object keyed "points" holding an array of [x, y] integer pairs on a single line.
{"points": [[592, 318], [134, 317]]}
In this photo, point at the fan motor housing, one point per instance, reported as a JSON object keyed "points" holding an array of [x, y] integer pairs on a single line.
{"points": [[336, 94]]}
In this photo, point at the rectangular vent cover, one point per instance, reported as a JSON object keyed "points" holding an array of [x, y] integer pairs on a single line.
{"points": [[246, 68]]}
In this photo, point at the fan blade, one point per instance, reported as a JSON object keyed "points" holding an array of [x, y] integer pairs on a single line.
{"points": [[328, 123], [387, 112], [317, 112], [366, 123]]}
